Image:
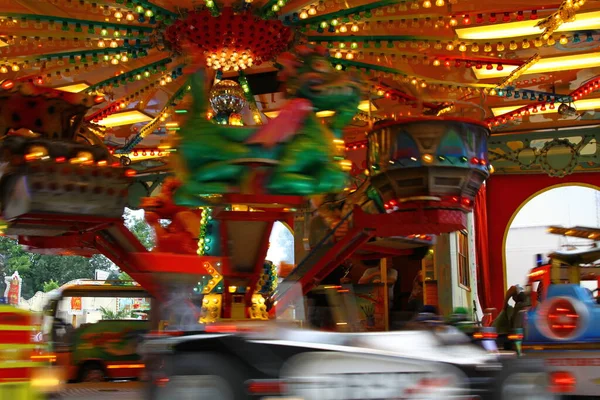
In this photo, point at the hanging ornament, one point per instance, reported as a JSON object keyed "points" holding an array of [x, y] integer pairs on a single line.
{"points": [[226, 98]]}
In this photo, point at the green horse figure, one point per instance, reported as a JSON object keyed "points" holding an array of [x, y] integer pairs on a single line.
{"points": [[293, 154]]}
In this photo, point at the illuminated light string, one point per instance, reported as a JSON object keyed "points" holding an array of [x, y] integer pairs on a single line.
{"points": [[74, 57], [80, 25], [138, 73], [249, 98], [409, 58], [204, 240], [379, 71], [159, 118], [566, 13], [73, 60], [148, 9], [121, 103], [583, 91], [309, 13], [394, 42], [514, 75]]}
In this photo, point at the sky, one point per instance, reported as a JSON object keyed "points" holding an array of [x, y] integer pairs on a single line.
{"points": [[567, 205]]}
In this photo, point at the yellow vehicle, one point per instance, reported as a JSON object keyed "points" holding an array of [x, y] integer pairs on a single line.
{"points": [[24, 364], [94, 329]]}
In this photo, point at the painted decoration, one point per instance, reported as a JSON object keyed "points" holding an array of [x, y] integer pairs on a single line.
{"points": [[444, 170], [13, 288], [371, 306], [109, 341], [293, 154], [76, 305]]}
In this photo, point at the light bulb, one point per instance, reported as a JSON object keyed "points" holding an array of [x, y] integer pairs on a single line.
{"points": [[354, 28], [114, 44], [440, 3], [118, 14], [303, 14], [3, 69], [312, 10], [15, 67], [427, 4], [130, 17], [101, 44], [124, 58]]}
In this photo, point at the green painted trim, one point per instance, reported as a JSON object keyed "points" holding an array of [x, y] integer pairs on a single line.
{"points": [[79, 21]]}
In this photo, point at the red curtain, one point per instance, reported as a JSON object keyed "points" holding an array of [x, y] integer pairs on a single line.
{"points": [[482, 249]]}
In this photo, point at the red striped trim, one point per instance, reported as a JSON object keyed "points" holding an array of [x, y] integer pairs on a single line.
{"points": [[15, 373], [15, 337], [12, 318]]}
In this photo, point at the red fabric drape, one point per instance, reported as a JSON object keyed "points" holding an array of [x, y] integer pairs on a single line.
{"points": [[482, 248]]}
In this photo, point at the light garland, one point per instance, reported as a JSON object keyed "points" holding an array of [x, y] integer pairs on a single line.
{"points": [[204, 240], [584, 90], [379, 71], [514, 75], [137, 74], [159, 118], [121, 103], [566, 13], [250, 98]]}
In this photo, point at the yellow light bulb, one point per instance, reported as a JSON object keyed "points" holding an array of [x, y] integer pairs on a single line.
{"points": [[118, 14], [427, 4], [462, 47], [500, 46], [354, 28], [563, 40], [15, 67], [440, 3], [303, 14], [436, 63], [101, 44], [312, 10], [453, 21], [343, 29]]}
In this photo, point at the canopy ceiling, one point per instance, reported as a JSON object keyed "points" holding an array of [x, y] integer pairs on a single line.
{"points": [[479, 59]]}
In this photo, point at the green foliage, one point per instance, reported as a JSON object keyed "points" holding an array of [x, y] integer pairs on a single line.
{"points": [[40, 272], [36, 270], [50, 285], [114, 315], [135, 222]]}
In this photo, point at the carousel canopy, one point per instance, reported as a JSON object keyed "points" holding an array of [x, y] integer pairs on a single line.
{"points": [[517, 66]]}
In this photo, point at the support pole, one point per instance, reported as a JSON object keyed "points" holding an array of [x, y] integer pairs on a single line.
{"points": [[383, 265]]}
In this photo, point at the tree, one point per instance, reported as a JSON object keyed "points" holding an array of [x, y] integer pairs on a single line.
{"points": [[110, 314], [50, 286], [135, 222]]}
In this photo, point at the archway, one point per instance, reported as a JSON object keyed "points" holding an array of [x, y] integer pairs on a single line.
{"points": [[527, 234], [506, 194]]}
